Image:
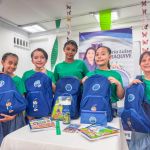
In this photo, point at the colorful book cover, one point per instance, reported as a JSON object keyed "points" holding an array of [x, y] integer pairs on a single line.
{"points": [[41, 124], [71, 128], [94, 132], [57, 113]]}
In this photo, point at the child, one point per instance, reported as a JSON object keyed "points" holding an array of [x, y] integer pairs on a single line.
{"points": [[70, 67], [89, 59], [39, 58], [102, 58], [141, 140], [11, 123]]}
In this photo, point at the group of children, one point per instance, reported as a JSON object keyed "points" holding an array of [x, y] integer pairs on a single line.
{"points": [[69, 67]]}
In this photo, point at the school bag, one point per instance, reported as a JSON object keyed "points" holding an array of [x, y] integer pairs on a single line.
{"points": [[134, 117], [96, 95], [11, 101], [39, 95], [69, 86]]}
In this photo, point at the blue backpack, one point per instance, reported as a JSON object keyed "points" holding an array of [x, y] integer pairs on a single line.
{"points": [[69, 86], [39, 95], [96, 95], [11, 101], [134, 117]]}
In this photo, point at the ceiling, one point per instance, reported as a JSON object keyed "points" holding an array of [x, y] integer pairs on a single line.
{"points": [[45, 12]]}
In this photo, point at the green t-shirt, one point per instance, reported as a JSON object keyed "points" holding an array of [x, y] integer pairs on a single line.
{"points": [[109, 73], [29, 73], [77, 68], [147, 88], [19, 84]]}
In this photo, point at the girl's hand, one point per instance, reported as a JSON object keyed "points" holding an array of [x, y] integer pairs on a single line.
{"points": [[6, 117], [135, 81], [113, 80], [30, 118], [83, 79]]}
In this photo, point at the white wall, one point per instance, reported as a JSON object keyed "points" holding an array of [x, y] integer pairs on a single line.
{"points": [[7, 34]]}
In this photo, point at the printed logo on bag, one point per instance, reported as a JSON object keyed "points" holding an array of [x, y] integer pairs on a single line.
{"points": [[68, 87], [92, 120], [93, 108], [37, 84], [96, 87], [35, 104], [131, 97], [2, 83]]}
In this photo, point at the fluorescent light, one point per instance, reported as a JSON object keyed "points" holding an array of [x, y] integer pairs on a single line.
{"points": [[114, 16], [33, 28]]}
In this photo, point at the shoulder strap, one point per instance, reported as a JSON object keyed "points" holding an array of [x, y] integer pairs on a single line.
{"points": [[139, 77]]}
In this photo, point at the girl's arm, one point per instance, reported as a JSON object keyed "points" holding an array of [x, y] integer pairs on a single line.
{"points": [[120, 90], [53, 87], [7, 117], [83, 79]]}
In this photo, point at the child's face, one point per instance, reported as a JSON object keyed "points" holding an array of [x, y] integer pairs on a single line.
{"points": [[70, 51], [102, 56], [10, 64], [90, 55], [145, 63], [38, 59]]}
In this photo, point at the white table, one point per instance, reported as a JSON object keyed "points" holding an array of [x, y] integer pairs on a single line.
{"points": [[24, 139]]}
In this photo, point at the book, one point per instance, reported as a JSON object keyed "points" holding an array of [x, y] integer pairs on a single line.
{"points": [[71, 128], [41, 124], [61, 101], [94, 132]]}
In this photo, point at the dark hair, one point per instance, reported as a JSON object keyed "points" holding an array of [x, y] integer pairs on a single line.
{"points": [[72, 42], [87, 52], [40, 50], [4, 57], [109, 52], [142, 55]]}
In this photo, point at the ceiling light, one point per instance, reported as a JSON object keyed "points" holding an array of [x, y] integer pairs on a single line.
{"points": [[114, 16], [33, 28]]}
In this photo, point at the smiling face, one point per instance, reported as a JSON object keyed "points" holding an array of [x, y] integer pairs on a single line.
{"points": [[145, 63], [10, 64], [70, 51], [102, 57], [90, 55], [38, 59]]}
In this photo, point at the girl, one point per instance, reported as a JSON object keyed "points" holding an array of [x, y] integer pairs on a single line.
{"points": [[89, 58], [39, 59], [11, 123], [141, 140], [70, 67], [102, 58]]}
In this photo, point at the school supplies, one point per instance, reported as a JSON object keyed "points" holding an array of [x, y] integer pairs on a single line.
{"points": [[61, 103], [96, 95], [69, 86], [39, 95], [58, 130], [94, 117], [71, 128], [11, 101], [94, 132], [41, 124]]}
